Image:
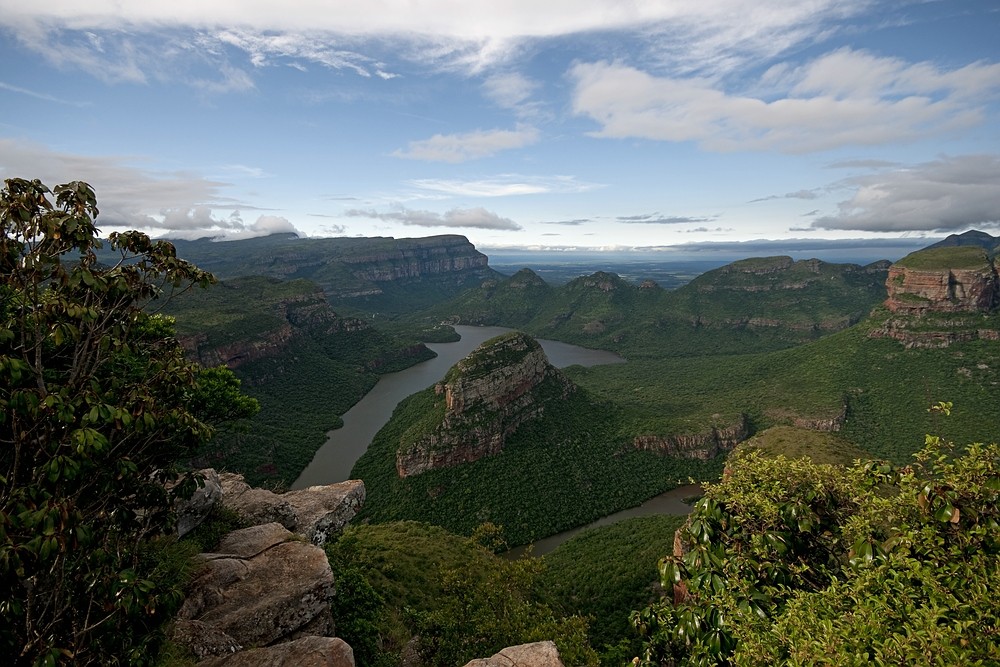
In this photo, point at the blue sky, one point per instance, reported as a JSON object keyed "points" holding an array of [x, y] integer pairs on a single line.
{"points": [[520, 124]]}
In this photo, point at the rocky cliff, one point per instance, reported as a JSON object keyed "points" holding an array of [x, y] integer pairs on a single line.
{"points": [[375, 271], [942, 295], [263, 596], [959, 279], [484, 398], [703, 446]]}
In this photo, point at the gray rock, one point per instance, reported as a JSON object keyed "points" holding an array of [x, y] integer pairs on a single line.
{"points": [[269, 586], [192, 511], [253, 505], [203, 639], [304, 652], [318, 512], [538, 654], [321, 512]]}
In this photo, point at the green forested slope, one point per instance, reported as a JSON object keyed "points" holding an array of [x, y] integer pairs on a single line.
{"points": [[320, 366]]}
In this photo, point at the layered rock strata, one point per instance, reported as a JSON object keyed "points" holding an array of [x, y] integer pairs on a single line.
{"points": [[943, 290], [703, 446], [483, 400], [940, 296]]}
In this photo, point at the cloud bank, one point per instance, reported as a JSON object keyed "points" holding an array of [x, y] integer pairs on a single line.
{"points": [[945, 195], [468, 218], [847, 97]]}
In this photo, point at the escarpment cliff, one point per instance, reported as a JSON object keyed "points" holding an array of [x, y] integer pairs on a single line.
{"points": [[484, 398], [255, 318], [942, 295], [943, 280], [702, 446], [378, 273]]}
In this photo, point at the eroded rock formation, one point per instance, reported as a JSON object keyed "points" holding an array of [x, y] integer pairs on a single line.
{"points": [[484, 399], [702, 446], [263, 597], [943, 289], [942, 295]]}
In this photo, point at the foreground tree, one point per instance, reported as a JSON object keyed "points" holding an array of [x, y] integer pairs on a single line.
{"points": [[97, 406], [787, 562]]}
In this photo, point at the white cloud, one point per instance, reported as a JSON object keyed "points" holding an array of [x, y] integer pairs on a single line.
{"points": [[945, 195], [504, 185], [177, 204], [468, 146], [826, 104], [514, 91], [690, 34], [471, 218], [198, 222]]}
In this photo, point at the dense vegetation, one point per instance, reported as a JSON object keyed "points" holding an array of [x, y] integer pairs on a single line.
{"points": [[792, 562], [328, 363], [560, 471], [605, 573], [97, 406], [755, 305], [409, 586]]}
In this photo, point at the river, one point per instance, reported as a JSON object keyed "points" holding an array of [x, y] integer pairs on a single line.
{"points": [[668, 502], [344, 446]]}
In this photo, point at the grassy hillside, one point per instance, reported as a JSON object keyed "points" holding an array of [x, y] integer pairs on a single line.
{"points": [[886, 389], [946, 257]]}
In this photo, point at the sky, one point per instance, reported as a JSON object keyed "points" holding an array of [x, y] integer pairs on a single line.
{"points": [[556, 125]]}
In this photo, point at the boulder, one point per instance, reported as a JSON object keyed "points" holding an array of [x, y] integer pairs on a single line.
{"points": [[317, 512], [253, 505], [538, 654], [304, 652], [192, 511], [322, 511], [263, 586]]}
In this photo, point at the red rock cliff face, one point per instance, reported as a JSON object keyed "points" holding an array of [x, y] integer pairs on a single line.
{"points": [[940, 296], [486, 397], [916, 292]]}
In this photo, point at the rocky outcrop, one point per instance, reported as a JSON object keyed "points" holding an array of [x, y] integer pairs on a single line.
{"points": [[304, 652], [263, 596], [316, 512], [262, 587], [537, 654], [916, 291], [942, 295], [703, 446], [483, 400]]}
